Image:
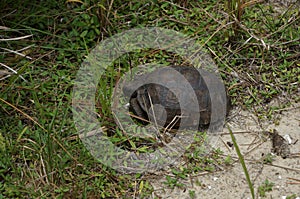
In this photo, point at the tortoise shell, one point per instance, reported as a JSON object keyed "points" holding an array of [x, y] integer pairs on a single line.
{"points": [[177, 96]]}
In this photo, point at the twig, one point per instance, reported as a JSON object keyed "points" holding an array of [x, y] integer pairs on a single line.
{"points": [[29, 117], [16, 52], [283, 167], [16, 38], [294, 179], [15, 72]]}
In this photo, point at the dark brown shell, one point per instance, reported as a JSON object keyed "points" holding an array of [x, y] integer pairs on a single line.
{"points": [[142, 97]]}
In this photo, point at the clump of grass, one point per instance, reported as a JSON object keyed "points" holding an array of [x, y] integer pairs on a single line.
{"points": [[293, 196], [268, 158], [192, 194], [267, 186], [198, 160], [173, 182]]}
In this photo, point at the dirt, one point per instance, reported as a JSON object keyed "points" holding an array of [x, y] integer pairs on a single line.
{"points": [[254, 145]]}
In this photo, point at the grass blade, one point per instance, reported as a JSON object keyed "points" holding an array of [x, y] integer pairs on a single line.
{"points": [[241, 158]]}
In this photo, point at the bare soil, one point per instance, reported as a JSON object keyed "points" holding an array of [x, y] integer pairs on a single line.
{"points": [[254, 145]]}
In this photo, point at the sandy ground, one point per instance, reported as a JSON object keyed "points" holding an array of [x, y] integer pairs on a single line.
{"points": [[231, 182]]}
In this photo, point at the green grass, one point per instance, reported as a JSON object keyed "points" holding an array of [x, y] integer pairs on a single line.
{"points": [[41, 155], [267, 186], [242, 161]]}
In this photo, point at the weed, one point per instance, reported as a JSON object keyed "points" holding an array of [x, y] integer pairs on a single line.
{"points": [[267, 186], [173, 182], [268, 158], [293, 196], [228, 160], [192, 194]]}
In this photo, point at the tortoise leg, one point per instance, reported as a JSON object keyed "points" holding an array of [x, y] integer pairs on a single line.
{"points": [[136, 109]]}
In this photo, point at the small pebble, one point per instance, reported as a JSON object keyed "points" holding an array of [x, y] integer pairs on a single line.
{"points": [[279, 177], [288, 138], [215, 178]]}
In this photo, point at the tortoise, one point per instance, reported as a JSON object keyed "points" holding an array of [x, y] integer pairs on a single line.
{"points": [[174, 96]]}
